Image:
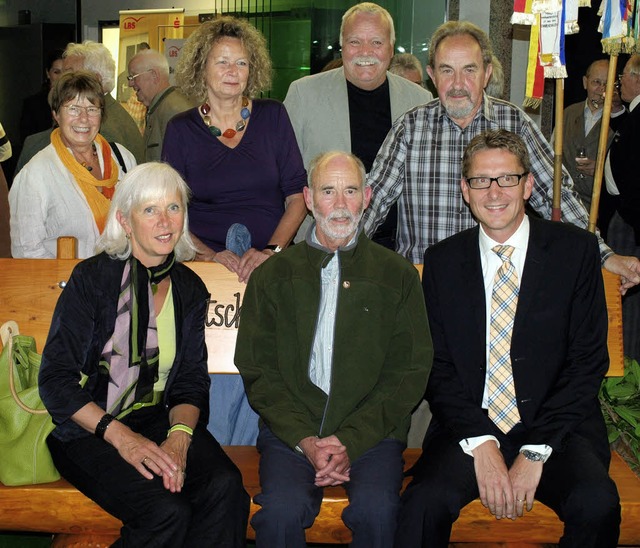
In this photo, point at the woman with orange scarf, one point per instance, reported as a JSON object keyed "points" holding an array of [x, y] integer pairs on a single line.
{"points": [[66, 189]]}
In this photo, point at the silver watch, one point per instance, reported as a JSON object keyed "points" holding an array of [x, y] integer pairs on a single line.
{"points": [[533, 456]]}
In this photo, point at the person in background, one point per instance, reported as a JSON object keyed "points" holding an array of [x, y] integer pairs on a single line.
{"points": [[418, 165], [516, 416], [408, 66], [149, 78], [36, 111], [239, 156], [352, 108], [334, 350], [5, 237], [495, 85], [133, 437], [117, 126], [582, 122], [5, 146], [66, 188], [622, 188]]}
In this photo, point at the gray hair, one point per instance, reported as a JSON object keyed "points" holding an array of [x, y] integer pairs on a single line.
{"points": [[323, 158], [402, 62], [369, 7], [457, 28], [152, 59], [97, 58], [495, 85], [144, 183]]}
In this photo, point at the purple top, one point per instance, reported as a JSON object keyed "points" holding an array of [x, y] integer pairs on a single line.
{"points": [[247, 184]]}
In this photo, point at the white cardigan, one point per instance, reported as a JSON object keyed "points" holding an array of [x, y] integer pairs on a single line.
{"points": [[46, 203]]}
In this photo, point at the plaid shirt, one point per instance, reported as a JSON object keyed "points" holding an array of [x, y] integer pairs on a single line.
{"points": [[420, 165]]}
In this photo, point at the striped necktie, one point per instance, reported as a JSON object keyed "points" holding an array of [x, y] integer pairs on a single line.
{"points": [[503, 408]]}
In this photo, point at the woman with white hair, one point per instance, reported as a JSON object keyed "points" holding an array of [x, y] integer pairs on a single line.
{"points": [[124, 376]]}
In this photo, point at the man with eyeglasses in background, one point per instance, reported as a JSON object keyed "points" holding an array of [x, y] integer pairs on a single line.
{"points": [[582, 122], [418, 164], [149, 78], [518, 318]]}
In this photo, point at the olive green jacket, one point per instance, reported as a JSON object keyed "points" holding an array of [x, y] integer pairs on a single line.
{"points": [[382, 347]]}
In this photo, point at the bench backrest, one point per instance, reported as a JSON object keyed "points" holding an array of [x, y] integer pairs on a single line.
{"points": [[29, 289]]}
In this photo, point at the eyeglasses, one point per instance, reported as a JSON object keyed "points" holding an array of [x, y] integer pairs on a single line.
{"points": [[623, 74], [76, 110], [512, 179], [132, 77]]}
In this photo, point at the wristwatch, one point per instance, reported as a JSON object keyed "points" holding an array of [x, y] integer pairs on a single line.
{"points": [[273, 247], [533, 456]]}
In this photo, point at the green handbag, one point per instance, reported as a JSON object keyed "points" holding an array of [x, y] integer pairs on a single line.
{"points": [[24, 422]]}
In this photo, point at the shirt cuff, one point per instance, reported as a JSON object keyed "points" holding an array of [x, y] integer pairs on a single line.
{"points": [[543, 449], [469, 444]]}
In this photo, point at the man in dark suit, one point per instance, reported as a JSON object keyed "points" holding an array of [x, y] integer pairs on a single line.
{"points": [[622, 178], [622, 189], [519, 324]]}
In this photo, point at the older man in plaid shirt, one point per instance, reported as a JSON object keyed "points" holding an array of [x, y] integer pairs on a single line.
{"points": [[418, 164]]}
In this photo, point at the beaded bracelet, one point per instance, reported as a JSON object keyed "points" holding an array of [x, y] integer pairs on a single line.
{"points": [[179, 427], [103, 424]]}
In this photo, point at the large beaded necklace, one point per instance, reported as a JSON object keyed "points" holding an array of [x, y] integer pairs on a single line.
{"points": [[205, 109]]}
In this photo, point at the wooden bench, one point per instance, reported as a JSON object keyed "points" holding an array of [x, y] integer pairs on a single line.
{"points": [[28, 292]]}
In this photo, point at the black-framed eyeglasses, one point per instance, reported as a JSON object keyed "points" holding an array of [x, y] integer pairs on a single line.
{"points": [[510, 179], [132, 77]]}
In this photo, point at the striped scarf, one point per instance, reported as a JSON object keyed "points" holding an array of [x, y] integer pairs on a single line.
{"points": [[131, 354]]}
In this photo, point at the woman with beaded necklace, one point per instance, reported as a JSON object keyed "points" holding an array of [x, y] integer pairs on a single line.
{"points": [[238, 154]]}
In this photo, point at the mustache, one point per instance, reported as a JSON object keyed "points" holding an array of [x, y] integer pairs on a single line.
{"points": [[458, 93], [366, 59], [341, 213]]}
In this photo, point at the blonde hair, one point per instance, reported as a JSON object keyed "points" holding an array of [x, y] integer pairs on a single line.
{"points": [[191, 68], [142, 184]]}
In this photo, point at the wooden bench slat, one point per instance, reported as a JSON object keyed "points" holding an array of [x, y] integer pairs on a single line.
{"points": [[59, 508]]}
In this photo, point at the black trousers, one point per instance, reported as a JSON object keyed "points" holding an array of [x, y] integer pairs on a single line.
{"points": [[212, 509], [575, 483]]}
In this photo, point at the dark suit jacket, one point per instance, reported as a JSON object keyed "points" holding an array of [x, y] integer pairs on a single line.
{"points": [[559, 342], [622, 155]]}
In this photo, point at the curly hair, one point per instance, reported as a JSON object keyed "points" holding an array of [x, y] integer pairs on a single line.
{"points": [[191, 68]]}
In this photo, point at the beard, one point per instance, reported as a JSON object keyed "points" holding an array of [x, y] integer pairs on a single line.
{"points": [[455, 109], [341, 231]]}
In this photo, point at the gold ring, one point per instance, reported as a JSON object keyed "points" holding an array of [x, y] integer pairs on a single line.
{"points": [[143, 460], [520, 500]]}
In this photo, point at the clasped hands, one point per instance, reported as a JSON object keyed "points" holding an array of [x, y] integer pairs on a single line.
{"points": [[329, 459], [505, 492]]}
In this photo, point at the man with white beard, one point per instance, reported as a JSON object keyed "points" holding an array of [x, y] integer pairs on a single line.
{"points": [[334, 350], [351, 108]]}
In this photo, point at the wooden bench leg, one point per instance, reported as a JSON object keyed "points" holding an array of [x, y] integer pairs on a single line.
{"points": [[83, 541]]}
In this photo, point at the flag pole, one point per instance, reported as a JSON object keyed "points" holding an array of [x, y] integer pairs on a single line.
{"points": [[602, 143], [556, 209]]}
